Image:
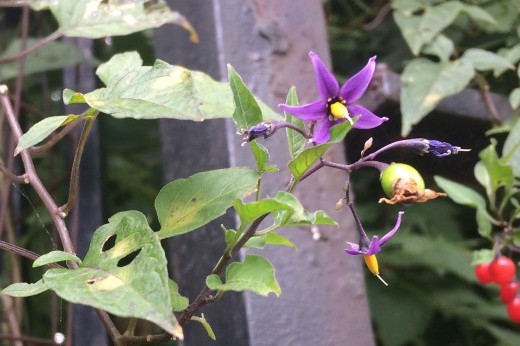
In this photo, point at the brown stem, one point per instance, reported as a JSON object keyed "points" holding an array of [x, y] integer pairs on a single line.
{"points": [[19, 179], [55, 137], [488, 100], [14, 3], [54, 36], [74, 174], [28, 339], [12, 321], [23, 252], [34, 179]]}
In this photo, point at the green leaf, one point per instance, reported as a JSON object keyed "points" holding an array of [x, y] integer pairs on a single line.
{"points": [[255, 274], [72, 97], [97, 18], [441, 47], [247, 112], [178, 302], [500, 172], [202, 320], [53, 56], [426, 83], [478, 14], [298, 216], [278, 239], [249, 212], [118, 62], [304, 160], [437, 18], [41, 130], [482, 256], [186, 204], [514, 98], [461, 194], [55, 256], [164, 91], [260, 241], [483, 60], [511, 150], [106, 280], [262, 157], [295, 140], [24, 289], [484, 223]]}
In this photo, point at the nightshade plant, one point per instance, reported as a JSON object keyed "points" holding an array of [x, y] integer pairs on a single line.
{"points": [[130, 278]]}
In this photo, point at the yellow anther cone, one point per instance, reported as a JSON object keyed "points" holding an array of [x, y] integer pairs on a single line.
{"points": [[373, 266], [340, 111]]}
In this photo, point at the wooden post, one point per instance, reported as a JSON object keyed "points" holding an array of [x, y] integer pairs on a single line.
{"points": [[323, 298]]}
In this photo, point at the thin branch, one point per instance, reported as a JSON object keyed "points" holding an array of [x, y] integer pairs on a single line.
{"points": [[488, 100], [55, 137], [28, 339], [12, 321], [14, 3], [74, 174], [19, 179], [24, 252], [34, 179], [54, 36]]}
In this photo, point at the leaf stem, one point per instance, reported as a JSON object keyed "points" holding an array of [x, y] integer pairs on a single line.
{"points": [[24, 252], [19, 179], [74, 174], [55, 137], [490, 104]]}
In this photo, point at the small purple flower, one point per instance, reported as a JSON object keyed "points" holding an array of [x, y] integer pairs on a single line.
{"points": [[337, 104], [371, 247]]}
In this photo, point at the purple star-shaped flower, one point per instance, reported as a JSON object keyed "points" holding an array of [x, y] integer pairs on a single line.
{"points": [[371, 247], [337, 104]]}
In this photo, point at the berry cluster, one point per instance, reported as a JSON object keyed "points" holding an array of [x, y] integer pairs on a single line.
{"points": [[502, 271]]}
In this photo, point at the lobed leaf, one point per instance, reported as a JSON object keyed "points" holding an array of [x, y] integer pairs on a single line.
{"points": [[163, 91], [128, 279], [186, 204], [255, 274], [178, 302]]}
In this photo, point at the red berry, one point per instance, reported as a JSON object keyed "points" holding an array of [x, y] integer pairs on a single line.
{"points": [[482, 273], [513, 310], [502, 270], [508, 291]]}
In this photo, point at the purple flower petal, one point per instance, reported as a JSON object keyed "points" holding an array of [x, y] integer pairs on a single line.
{"points": [[356, 85], [326, 83], [354, 249], [387, 236], [322, 131], [368, 120], [309, 112], [374, 246]]}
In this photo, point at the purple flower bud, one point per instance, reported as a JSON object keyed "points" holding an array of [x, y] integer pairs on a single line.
{"points": [[262, 129], [442, 149]]}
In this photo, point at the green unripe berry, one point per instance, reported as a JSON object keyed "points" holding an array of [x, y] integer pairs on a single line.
{"points": [[402, 175]]}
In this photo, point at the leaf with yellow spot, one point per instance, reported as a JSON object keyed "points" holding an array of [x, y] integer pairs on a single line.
{"points": [[187, 204], [161, 91], [123, 273]]}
